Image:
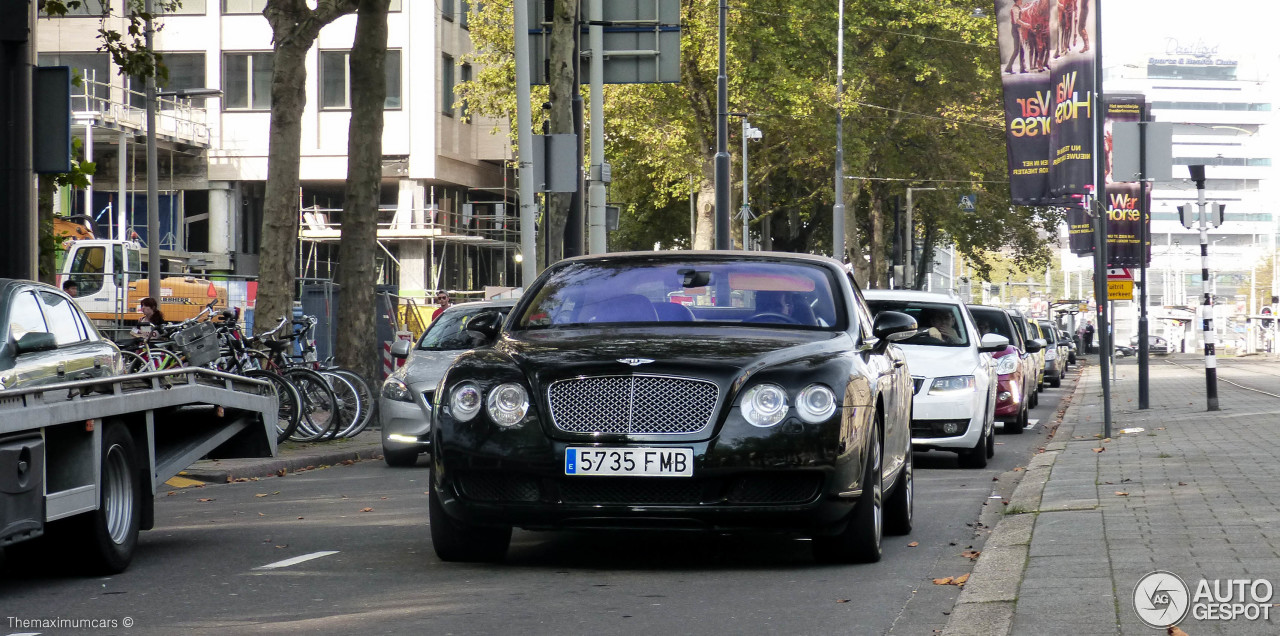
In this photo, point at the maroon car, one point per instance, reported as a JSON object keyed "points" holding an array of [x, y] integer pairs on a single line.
{"points": [[1016, 366]]}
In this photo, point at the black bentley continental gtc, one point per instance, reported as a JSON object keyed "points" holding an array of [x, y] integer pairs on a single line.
{"points": [[688, 390]]}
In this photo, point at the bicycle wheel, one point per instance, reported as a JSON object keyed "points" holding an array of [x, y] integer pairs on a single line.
{"points": [[319, 406], [162, 360], [132, 362], [349, 406], [364, 394], [290, 403]]}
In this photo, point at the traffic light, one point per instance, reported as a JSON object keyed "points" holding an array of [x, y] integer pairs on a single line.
{"points": [[1216, 213], [1187, 214], [1266, 322]]}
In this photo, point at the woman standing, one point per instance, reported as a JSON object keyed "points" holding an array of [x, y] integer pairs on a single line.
{"points": [[151, 318]]}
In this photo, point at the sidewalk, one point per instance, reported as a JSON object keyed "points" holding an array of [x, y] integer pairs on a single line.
{"points": [[290, 457], [1193, 493]]}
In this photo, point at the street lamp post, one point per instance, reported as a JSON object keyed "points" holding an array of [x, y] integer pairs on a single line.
{"points": [[748, 133], [723, 241], [837, 210]]}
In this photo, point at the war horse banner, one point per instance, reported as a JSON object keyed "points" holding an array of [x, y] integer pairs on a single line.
{"points": [[1124, 199], [1048, 97]]}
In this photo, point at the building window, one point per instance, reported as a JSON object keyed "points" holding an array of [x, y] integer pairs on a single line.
{"points": [[94, 69], [87, 8], [246, 81], [186, 70], [189, 7], [446, 84], [464, 10], [335, 79], [464, 109], [446, 9], [231, 7]]}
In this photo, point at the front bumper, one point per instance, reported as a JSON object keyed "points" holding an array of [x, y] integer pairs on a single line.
{"points": [[1009, 398], [404, 425], [1052, 369], [930, 414], [794, 477]]}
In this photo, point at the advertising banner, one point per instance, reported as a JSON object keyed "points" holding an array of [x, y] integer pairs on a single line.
{"points": [[1079, 229], [1047, 72], [1124, 205]]}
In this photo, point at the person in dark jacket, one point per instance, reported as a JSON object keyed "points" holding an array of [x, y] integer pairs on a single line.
{"points": [[1088, 337]]}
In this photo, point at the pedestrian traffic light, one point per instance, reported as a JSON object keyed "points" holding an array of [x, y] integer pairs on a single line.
{"points": [[1266, 322], [1217, 214], [1187, 215]]}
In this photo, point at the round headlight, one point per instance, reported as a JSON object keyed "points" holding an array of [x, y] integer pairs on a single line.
{"points": [[465, 401], [816, 403], [764, 405], [508, 403]]}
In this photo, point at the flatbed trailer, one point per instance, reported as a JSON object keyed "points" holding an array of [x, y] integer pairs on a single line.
{"points": [[81, 461]]}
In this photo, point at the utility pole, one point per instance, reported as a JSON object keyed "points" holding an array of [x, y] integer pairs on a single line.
{"points": [[1100, 223], [18, 228], [1206, 305], [153, 187], [748, 133], [723, 240], [596, 193], [1144, 347], [838, 250], [524, 137]]}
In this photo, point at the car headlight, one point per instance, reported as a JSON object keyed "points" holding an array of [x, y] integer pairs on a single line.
{"points": [[764, 405], [394, 389], [1008, 364], [951, 384], [465, 401], [816, 403], [507, 404], [1051, 354]]}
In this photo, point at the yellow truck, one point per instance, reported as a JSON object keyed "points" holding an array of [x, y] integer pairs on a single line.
{"points": [[110, 283]]}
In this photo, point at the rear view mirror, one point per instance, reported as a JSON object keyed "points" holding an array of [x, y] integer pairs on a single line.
{"points": [[36, 341], [400, 349], [486, 323], [1034, 345], [993, 343], [893, 326]]}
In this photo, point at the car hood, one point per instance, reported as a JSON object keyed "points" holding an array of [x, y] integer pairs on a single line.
{"points": [[726, 355], [936, 362], [424, 368]]}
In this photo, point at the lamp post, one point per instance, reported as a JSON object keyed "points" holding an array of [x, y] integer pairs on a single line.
{"points": [[837, 210], [723, 241], [748, 133]]}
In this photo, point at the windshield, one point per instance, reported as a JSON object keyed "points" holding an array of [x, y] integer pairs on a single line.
{"points": [[449, 331], [1049, 334], [752, 293], [941, 324], [993, 321]]}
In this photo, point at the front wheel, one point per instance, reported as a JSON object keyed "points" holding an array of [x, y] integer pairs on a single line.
{"points": [[860, 540], [111, 531], [976, 457], [899, 511], [455, 540]]}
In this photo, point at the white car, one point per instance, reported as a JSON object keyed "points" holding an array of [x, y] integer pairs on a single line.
{"points": [[955, 377]]}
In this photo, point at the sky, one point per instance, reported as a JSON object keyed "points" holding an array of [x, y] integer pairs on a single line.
{"points": [[1134, 30]]}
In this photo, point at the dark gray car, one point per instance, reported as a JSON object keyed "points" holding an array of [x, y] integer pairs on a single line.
{"points": [[46, 338]]}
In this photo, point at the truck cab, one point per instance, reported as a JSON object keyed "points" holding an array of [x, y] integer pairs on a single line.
{"points": [[102, 270]]}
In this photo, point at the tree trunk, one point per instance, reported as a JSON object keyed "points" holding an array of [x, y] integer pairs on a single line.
{"points": [[294, 28], [357, 341], [925, 262], [706, 222], [879, 278], [564, 25], [861, 269], [48, 245]]}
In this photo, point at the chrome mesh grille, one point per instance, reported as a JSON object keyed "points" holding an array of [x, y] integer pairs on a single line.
{"points": [[639, 404]]}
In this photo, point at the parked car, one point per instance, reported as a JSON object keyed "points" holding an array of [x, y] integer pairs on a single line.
{"points": [[1055, 353], [45, 338], [1065, 336], [955, 381], [404, 404], [1031, 332], [1015, 366], [690, 390], [1156, 345]]}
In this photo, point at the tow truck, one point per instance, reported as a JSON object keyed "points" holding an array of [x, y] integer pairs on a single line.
{"points": [[109, 274]]}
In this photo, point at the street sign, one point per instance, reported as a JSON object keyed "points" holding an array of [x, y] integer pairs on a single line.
{"points": [[1125, 156], [968, 202], [641, 42], [1120, 273], [1120, 289], [1084, 307]]}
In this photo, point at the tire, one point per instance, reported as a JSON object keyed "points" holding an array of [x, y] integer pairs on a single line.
{"points": [[1015, 428], [1034, 401], [319, 406], [991, 442], [289, 402], [455, 540], [400, 457], [859, 542], [899, 510], [976, 457], [110, 533], [367, 401], [131, 362], [350, 409], [1057, 382]]}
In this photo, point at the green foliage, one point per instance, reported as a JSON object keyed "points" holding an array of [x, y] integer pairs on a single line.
{"points": [[921, 108]]}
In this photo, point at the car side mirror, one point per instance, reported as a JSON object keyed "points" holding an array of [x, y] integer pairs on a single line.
{"points": [[400, 349], [1035, 344], [36, 341], [892, 326], [993, 343]]}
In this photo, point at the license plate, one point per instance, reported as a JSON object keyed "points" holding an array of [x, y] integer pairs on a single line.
{"points": [[630, 462]]}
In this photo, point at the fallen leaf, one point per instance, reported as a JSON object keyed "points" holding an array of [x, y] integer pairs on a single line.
{"points": [[1018, 469], [913, 544], [281, 472], [262, 514], [173, 492], [204, 499], [1174, 631], [1105, 440], [366, 510], [1182, 483], [970, 554], [842, 600], [961, 580], [383, 498], [1159, 428], [1109, 482], [943, 581], [348, 462], [999, 443], [1121, 493], [995, 479], [302, 517], [283, 546], [262, 494], [1098, 450]]}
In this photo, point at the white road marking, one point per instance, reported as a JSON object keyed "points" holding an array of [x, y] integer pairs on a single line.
{"points": [[295, 560], [1031, 424]]}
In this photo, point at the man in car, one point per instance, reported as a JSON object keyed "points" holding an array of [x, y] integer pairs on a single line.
{"points": [[942, 325], [71, 288]]}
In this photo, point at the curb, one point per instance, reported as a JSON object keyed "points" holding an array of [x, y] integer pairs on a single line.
{"points": [[228, 470], [987, 601]]}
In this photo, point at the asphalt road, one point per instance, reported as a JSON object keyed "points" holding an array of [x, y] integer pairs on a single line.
{"points": [[346, 550]]}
